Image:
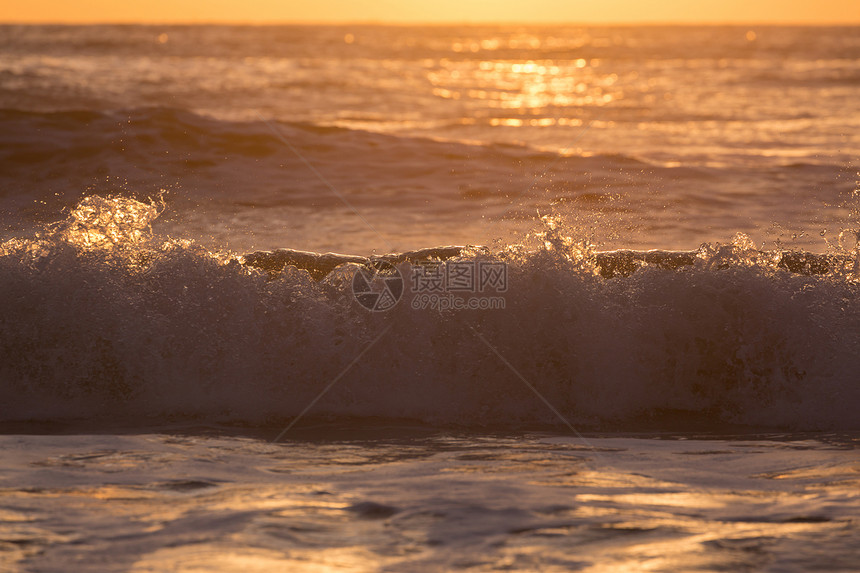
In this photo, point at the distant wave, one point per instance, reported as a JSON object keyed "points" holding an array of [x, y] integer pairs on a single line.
{"points": [[102, 320], [164, 130], [66, 152], [55, 158], [177, 142]]}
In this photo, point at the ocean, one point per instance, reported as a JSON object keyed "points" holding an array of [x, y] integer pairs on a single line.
{"points": [[382, 298]]}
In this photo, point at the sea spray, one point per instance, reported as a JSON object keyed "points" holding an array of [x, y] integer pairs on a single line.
{"points": [[103, 319]]}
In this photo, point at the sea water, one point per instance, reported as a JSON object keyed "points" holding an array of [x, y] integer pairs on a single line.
{"points": [[168, 404]]}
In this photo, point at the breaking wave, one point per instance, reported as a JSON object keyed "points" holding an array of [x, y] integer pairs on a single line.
{"points": [[101, 319]]}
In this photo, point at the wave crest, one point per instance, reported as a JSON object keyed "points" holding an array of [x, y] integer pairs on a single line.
{"points": [[115, 324]]}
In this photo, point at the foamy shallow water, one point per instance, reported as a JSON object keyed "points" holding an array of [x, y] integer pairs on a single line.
{"points": [[191, 502]]}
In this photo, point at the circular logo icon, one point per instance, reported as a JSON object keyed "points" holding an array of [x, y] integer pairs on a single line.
{"points": [[377, 286]]}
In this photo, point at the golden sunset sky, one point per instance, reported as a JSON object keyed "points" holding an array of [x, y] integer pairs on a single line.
{"points": [[435, 11]]}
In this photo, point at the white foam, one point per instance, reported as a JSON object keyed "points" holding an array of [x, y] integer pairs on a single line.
{"points": [[139, 327]]}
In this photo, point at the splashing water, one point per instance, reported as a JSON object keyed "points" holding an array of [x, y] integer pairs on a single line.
{"points": [[103, 319], [104, 222]]}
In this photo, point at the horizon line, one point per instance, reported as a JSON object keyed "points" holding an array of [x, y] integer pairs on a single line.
{"points": [[406, 23]]}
